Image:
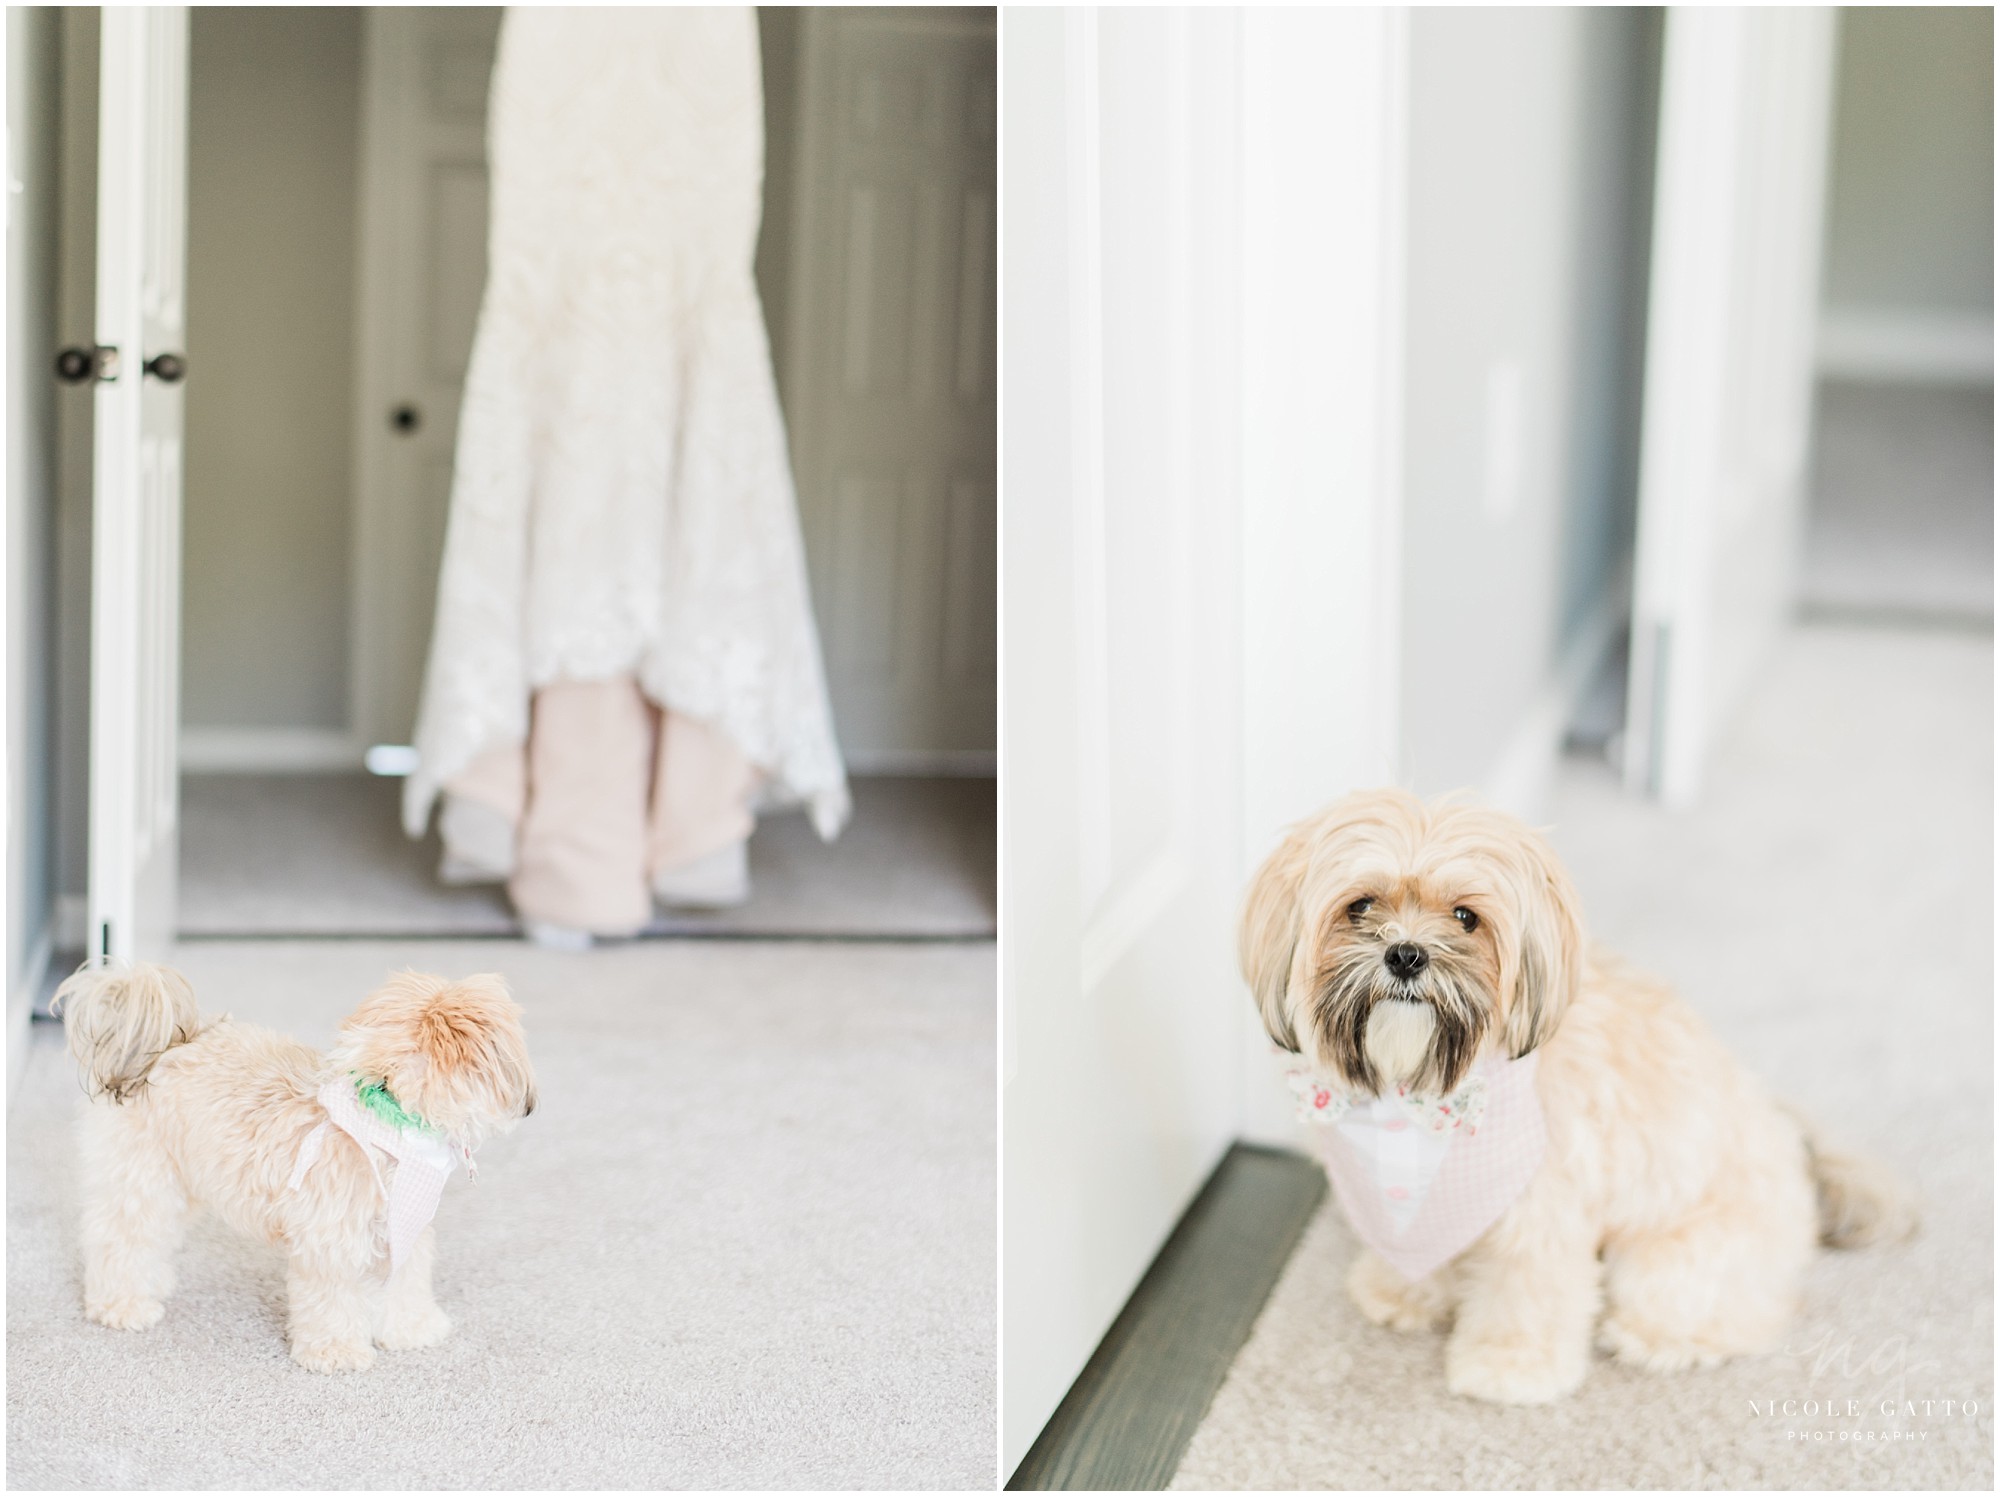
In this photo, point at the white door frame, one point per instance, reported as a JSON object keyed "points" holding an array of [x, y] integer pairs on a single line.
{"points": [[141, 255]]}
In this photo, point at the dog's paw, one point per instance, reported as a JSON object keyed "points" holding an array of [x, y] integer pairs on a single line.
{"points": [[333, 1356], [1389, 1299], [1517, 1372], [414, 1328], [1638, 1345], [125, 1312]]}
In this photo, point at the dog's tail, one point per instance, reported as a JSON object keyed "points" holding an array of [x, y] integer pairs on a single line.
{"points": [[121, 1019], [1860, 1202]]}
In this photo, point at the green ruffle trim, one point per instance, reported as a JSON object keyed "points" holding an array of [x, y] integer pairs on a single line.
{"points": [[379, 1100]]}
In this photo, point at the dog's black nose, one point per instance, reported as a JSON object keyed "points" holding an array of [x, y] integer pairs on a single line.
{"points": [[1406, 958]]}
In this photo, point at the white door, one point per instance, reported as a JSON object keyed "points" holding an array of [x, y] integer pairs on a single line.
{"points": [[1122, 1013], [888, 378], [1202, 259], [136, 506], [1743, 144], [425, 73]]}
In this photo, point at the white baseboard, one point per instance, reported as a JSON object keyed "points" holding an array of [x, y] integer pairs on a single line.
{"points": [[1903, 346], [1523, 775], [314, 750], [21, 1005], [971, 763], [317, 750], [269, 750]]}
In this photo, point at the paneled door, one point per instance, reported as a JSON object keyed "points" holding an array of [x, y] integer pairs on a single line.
{"points": [[889, 379], [425, 73], [1202, 253], [1123, 1017], [136, 477], [1737, 225]]}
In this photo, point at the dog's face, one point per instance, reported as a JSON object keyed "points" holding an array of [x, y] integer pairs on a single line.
{"points": [[450, 1052], [1388, 941]]}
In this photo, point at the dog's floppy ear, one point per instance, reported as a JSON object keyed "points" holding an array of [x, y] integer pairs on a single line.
{"points": [[1549, 963], [1269, 933]]}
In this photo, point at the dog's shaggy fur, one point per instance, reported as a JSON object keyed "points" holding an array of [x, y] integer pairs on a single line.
{"points": [[187, 1112], [1677, 1205]]}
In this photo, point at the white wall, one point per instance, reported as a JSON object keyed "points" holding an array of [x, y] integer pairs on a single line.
{"points": [[1910, 219], [272, 159], [1529, 181], [33, 122], [1908, 290]]}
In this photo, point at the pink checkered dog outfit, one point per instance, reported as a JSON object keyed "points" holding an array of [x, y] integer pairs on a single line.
{"points": [[423, 1164], [1420, 1178]]}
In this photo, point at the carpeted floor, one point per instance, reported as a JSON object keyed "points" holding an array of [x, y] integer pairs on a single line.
{"points": [[746, 1240], [307, 855], [1829, 909]]}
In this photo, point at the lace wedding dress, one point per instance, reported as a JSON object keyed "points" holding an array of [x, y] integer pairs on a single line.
{"points": [[622, 502]]}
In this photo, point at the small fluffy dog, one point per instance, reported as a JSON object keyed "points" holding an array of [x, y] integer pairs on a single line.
{"points": [[187, 1112], [1393, 945]]}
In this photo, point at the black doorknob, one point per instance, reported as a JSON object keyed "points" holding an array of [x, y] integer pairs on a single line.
{"points": [[79, 366], [167, 368], [406, 418]]}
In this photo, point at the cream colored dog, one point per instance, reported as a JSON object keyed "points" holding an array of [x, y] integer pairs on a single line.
{"points": [[187, 1112], [1392, 942]]}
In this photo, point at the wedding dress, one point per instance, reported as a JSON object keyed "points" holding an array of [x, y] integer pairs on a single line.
{"points": [[622, 504]]}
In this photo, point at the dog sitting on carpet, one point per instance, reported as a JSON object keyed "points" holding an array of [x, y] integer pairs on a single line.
{"points": [[338, 1159], [1522, 1132]]}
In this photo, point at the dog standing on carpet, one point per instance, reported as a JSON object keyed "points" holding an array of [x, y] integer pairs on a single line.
{"points": [[338, 1159], [1528, 1136]]}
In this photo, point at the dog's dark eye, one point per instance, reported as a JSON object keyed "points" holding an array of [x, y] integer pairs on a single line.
{"points": [[1359, 908], [1465, 918]]}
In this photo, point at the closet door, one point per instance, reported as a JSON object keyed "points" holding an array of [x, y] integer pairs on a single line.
{"points": [[136, 502], [889, 377], [425, 73], [1745, 102]]}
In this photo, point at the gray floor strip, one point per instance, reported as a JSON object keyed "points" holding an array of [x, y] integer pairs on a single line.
{"points": [[1128, 1418], [301, 856]]}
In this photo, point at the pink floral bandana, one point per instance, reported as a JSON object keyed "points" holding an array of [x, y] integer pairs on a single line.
{"points": [[1420, 1178], [423, 1164]]}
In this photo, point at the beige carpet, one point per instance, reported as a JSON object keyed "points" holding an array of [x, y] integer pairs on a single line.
{"points": [[310, 855], [1830, 910], [747, 1240]]}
